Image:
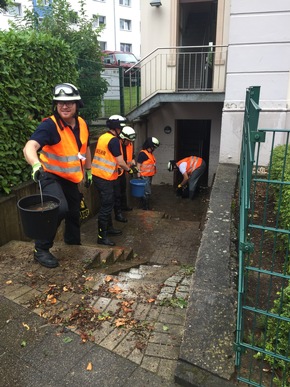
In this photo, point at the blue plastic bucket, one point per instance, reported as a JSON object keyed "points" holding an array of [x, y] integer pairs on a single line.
{"points": [[137, 187]]}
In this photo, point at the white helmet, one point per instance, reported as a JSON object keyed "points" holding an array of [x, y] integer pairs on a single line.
{"points": [[171, 165], [66, 92], [116, 122], [155, 142], [127, 133]]}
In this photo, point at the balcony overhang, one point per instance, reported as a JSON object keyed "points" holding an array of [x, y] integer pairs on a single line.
{"points": [[158, 99]]}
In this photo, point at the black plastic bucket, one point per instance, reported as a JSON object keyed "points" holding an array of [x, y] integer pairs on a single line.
{"points": [[137, 187], [39, 222]]}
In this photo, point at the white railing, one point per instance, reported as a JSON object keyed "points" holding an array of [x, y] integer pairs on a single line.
{"points": [[182, 69]]}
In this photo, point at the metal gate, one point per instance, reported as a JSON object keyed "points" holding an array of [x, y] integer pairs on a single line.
{"points": [[263, 315]]}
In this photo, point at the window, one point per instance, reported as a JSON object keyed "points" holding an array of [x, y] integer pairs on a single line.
{"points": [[125, 25], [13, 9], [103, 46], [127, 47], [126, 3], [99, 21]]}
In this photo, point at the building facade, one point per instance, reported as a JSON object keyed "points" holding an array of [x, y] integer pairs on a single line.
{"points": [[120, 18], [209, 52]]}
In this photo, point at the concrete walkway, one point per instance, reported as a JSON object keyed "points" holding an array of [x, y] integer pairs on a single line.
{"points": [[139, 329]]}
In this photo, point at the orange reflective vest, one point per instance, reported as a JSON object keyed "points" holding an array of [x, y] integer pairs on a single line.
{"points": [[104, 164], [193, 162], [65, 159], [148, 167]]}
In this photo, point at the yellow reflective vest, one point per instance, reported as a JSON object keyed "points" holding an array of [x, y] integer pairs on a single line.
{"points": [[104, 164]]}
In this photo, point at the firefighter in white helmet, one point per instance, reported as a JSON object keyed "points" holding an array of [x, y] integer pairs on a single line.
{"points": [[107, 161], [146, 165], [127, 137]]}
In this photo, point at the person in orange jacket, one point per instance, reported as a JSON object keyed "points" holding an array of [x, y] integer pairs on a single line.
{"points": [[106, 163], [127, 137], [146, 165], [60, 156], [191, 168]]}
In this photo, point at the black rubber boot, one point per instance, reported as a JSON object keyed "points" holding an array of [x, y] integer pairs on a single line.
{"points": [[145, 204], [120, 218], [102, 236], [45, 258], [111, 230]]}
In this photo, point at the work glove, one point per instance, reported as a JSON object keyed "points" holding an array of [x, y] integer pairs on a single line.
{"points": [[135, 169], [36, 171], [130, 171], [84, 211], [179, 190], [89, 178]]}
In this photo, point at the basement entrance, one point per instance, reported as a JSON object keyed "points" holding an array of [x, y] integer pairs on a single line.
{"points": [[192, 139]]}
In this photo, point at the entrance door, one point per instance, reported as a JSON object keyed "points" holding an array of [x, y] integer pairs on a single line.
{"points": [[193, 139]]}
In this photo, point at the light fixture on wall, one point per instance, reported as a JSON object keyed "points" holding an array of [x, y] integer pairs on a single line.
{"points": [[155, 3]]}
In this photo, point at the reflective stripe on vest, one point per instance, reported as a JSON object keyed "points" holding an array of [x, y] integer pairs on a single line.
{"points": [[104, 164], [64, 159], [148, 167]]}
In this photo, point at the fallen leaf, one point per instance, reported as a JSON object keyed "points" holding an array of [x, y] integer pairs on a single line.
{"points": [[165, 328], [9, 282], [67, 340], [26, 326], [29, 274], [151, 300], [89, 278], [65, 289], [115, 289], [23, 343], [108, 278], [120, 322], [89, 366]]}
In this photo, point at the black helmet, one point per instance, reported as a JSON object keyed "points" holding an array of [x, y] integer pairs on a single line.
{"points": [[171, 165], [116, 122], [151, 142]]}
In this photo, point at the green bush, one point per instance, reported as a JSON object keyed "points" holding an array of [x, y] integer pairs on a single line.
{"points": [[30, 65]]}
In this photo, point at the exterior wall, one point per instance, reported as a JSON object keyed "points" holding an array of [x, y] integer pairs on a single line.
{"points": [[167, 116], [258, 55], [113, 13]]}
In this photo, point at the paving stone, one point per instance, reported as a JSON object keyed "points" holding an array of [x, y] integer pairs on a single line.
{"points": [[183, 295], [153, 313], [17, 292], [171, 319], [182, 288], [167, 289], [126, 346], [166, 368], [142, 311], [164, 338], [170, 329], [170, 283], [150, 363], [136, 356], [103, 331], [162, 351], [113, 339], [101, 303], [27, 297]]}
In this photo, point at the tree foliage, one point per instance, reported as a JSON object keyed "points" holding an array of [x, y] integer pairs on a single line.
{"points": [[62, 22], [28, 74]]}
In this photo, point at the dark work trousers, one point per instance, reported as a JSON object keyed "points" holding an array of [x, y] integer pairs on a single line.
{"points": [[105, 189], [68, 194], [123, 187], [117, 195], [194, 177]]}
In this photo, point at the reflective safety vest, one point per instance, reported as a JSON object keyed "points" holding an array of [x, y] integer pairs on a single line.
{"points": [[64, 159], [104, 164], [193, 162], [148, 167]]}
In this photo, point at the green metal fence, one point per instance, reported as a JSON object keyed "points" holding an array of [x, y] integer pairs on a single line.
{"points": [[263, 313]]}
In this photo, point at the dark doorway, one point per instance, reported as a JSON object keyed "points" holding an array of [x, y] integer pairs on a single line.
{"points": [[193, 139]]}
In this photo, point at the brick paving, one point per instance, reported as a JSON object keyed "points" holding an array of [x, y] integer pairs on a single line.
{"points": [[169, 248]]}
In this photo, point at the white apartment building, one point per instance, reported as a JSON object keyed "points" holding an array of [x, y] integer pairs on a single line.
{"points": [[121, 19], [198, 59]]}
